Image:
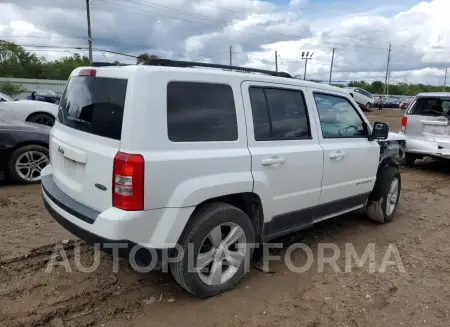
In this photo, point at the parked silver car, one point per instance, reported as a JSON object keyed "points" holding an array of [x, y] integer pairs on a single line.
{"points": [[426, 127]]}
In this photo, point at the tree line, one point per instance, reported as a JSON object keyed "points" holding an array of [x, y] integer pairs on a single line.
{"points": [[17, 62]]}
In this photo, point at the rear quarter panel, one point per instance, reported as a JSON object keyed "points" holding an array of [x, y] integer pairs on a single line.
{"points": [[182, 174]]}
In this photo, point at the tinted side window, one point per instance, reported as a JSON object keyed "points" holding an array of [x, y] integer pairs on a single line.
{"points": [[261, 122], [339, 119], [200, 112], [279, 114]]}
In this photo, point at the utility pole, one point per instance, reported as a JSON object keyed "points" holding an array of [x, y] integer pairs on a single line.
{"points": [[276, 60], [231, 55], [389, 81], [445, 80], [331, 67], [387, 70], [88, 13], [306, 56]]}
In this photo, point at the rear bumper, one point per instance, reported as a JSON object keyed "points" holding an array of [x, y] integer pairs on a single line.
{"points": [[123, 248], [428, 146], [155, 230]]}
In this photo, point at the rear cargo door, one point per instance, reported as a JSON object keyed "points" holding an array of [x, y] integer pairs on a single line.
{"points": [[428, 117], [86, 137]]}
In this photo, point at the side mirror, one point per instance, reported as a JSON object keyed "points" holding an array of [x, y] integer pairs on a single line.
{"points": [[380, 131]]}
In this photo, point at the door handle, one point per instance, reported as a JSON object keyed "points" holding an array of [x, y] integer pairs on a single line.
{"points": [[338, 155], [274, 161]]}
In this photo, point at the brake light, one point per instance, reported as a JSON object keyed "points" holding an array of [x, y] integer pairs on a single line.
{"points": [[404, 123], [128, 181], [87, 72]]}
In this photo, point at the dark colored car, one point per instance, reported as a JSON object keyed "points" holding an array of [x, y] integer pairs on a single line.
{"points": [[404, 105], [23, 151]]}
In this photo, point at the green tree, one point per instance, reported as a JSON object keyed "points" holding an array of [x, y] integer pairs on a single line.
{"points": [[144, 57], [11, 89], [61, 68], [16, 62]]}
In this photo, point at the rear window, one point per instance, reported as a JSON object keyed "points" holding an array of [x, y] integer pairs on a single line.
{"points": [[94, 105], [431, 107]]}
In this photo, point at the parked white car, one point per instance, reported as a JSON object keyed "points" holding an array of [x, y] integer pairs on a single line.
{"points": [[362, 97], [27, 110], [211, 161], [425, 125]]}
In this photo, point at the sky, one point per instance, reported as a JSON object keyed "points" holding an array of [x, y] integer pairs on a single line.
{"points": [[203, 30]]}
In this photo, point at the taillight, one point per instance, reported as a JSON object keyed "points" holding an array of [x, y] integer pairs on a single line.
{"points": [[87, 72], [404, 123], [128, 181]]}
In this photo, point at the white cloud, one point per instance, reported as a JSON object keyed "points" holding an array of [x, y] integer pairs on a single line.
{"points": [[360, 32]]}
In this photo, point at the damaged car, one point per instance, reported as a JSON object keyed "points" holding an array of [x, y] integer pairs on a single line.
{"points": [[425, 125]]}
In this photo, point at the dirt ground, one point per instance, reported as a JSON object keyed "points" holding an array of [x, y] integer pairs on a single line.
{"points": [[419, 296]]}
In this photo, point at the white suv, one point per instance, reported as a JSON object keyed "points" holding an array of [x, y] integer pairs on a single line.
{"points": [[168, 156], [362, 97]]}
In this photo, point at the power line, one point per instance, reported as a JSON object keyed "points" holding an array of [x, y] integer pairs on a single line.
{"points": [[42, 37], [188, 13], [225, 24], [53, 48], [177, 18]]}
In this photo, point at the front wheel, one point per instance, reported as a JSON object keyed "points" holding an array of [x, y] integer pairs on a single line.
{"points": [[385, 196], [216, 251], [368, 106]]}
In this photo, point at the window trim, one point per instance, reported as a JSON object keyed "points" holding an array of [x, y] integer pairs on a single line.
{"points": [[272, 138], [365, 125], [235, 108]]}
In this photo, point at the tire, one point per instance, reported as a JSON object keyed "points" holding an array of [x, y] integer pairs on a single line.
{"points": [[42, 118], [28, 160], [379, 207], [409, 159], [197, 233], [368, 106]]}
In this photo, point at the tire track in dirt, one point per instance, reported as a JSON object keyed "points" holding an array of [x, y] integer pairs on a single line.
{"points": [[80, 299]]}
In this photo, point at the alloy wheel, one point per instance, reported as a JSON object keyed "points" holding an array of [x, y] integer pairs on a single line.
{"points": [[30, 164], [221, 254]]}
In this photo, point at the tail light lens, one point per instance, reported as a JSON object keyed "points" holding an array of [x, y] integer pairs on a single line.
{"points": [[404, 122], [87, 72], [128, 181]]}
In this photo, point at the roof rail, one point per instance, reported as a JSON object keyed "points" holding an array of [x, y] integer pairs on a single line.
{"points": [[176, 63], [104, 64]]}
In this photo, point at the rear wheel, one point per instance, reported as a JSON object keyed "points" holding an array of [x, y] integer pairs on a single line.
{"points": [[368, 106], [215, 250], [26, 163], [42, 118], [385, 196]]}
